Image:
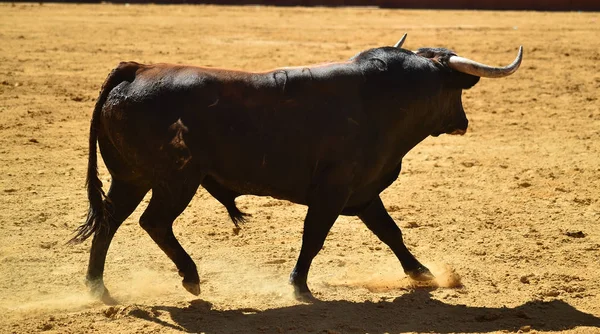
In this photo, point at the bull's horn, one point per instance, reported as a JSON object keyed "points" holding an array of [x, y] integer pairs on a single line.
{"points": [[481, 70], [400, 42]]}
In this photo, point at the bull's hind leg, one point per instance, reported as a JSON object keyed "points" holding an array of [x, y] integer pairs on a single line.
{"points": [[323, 210], [379, 221], [121, 200], [168, 201]]}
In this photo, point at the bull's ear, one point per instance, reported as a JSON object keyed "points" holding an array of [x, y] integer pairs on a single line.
{"points": [[462, 80]]}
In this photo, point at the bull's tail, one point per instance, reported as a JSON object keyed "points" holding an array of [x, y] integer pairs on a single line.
{"points": [[98, 211]]}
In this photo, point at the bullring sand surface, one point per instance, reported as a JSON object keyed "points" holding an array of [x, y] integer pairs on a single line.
{"points": [[506, 216]]}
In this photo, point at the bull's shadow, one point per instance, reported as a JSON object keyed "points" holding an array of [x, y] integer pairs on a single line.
{"points": [[412, 312]]}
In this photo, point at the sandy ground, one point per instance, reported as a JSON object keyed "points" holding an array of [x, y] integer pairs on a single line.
{"points": [[510, 211]]}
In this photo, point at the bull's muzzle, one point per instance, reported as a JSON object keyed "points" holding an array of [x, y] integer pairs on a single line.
{"points": [[460, 132], [459, 126]]}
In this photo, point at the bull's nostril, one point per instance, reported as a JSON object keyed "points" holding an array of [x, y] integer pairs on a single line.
{"points": [[459, 132]]}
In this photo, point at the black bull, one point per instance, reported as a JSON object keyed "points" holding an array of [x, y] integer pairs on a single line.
{"points": [[330, 136]]}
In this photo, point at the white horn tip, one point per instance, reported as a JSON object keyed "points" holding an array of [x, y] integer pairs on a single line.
{"points": [[401, 41], [520, 54], [519, 58]]}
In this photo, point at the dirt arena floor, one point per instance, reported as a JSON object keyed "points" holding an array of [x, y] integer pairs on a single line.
{"points": [[506, 216]]}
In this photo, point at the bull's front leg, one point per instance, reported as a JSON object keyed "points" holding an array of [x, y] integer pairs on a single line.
{"points": [[377, 219], [324, 208]]}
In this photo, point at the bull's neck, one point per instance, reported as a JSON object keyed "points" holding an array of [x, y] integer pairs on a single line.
{"points": [[410, 126]]}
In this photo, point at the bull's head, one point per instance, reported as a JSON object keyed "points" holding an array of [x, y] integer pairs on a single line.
{"points": [[459, 73]]}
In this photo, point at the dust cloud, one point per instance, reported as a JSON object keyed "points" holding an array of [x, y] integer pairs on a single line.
{"points": [[445, 277]]}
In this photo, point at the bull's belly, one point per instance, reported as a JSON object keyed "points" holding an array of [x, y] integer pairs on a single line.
{"points": [[246, 187], [357, 201], [258, 186], [293, 185], [293, 177], [262, 174]]}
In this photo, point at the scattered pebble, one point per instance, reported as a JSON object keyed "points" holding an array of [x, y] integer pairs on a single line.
{"points": [[525, 329], [575, 234], [46, 326], [48, 244], [583, 201], [411, 224], [110, 312], [551, 293]]}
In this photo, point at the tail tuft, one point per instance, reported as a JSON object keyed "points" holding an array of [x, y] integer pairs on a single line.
{"points": [[237, 216], [97, 212]]}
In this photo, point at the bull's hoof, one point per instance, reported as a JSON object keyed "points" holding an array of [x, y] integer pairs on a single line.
{"points": [[191, 287], [99, 292], [108, 299], [304, 296], [420, 274]]}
